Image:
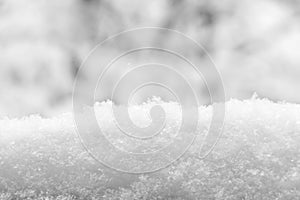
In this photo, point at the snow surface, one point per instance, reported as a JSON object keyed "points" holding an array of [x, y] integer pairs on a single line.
{"points": [[257, 156]]}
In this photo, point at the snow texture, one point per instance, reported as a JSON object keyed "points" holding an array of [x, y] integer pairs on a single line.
{"points": [[257, 157]]}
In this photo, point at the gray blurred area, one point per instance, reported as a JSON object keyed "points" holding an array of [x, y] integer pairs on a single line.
{"points": [[254, 44]]}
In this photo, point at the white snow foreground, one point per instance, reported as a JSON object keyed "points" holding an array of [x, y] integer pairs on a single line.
{"points": [[256, 157]]}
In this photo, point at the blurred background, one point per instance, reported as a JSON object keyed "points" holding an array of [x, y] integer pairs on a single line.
{"points": [[255, 45]]}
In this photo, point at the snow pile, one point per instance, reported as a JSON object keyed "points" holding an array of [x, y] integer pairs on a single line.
{"points": [[257, 157]]}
